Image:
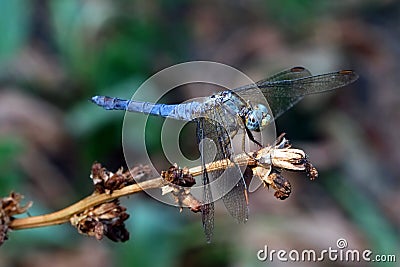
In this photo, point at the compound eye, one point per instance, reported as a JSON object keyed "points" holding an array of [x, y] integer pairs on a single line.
{"points": [[262, 114], [252, 122]]}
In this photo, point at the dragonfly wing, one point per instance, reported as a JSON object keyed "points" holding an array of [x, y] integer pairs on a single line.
{"points": [[285, 89], [283, 94], [207, 211], [289, 74], [301, 86], [277, 104], [228, 183], [280, 105], [236, 201]]}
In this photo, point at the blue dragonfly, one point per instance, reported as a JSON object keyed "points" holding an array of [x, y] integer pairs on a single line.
{"points": [[220, 116]]}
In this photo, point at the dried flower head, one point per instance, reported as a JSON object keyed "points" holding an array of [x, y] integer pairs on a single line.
{"points": [[272, 178], [280, 184], [10, 206], [311, 171], [106, 219], [178, 176], [182, 197], [179, 183], [106, 181]]}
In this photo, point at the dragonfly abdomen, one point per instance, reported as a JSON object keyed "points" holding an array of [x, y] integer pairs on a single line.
{"points": [[186, 111], [110, 103]]}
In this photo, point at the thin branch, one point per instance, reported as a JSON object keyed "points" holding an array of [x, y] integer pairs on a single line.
{"points": [[279, 156], [63, 216]]}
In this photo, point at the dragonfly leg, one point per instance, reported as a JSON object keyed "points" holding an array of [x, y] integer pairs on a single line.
{"points": [[251, 136], [244, 143]]}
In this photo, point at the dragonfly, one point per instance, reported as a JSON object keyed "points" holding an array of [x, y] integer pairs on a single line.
{"points": [[220, 116]]}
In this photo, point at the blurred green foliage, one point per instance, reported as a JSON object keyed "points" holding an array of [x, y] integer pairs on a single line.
{"points": [[10, 177], [14, 29]]}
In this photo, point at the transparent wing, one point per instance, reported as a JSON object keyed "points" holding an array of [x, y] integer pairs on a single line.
{"points": [[307, 85], [281, 104], [231, 182], [236, 202], [207, 211], [286, 88], [228, 183]]}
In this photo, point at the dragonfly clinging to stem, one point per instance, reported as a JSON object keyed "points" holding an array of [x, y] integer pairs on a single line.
{"points": [[222, 114]]}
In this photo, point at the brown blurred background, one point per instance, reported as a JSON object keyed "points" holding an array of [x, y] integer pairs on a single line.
{"points": [[55, 55]]}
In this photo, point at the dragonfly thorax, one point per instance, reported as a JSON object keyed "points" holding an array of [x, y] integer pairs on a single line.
{"points": [[257, 118]]}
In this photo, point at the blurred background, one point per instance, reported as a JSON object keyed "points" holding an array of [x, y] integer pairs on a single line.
{"points": [[55, 55]]}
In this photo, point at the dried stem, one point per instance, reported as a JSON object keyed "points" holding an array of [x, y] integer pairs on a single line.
{"points": [[277, 156], [63, 216]]}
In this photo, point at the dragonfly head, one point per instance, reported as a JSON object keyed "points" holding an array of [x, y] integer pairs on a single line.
{"points": [[257, 118]]}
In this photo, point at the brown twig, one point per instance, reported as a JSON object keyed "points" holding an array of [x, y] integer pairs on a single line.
{"points": [[278, 156], [63, 216]]}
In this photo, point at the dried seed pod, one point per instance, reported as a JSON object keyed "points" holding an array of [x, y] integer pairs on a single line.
{"points": [[280, 184], [10, 206], [178, 176], [274, 179], [311, 171], [106, 219], [106, 181]]}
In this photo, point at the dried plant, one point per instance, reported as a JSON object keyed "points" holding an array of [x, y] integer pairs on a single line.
{"points": [[10, 206], [100, 214]]}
